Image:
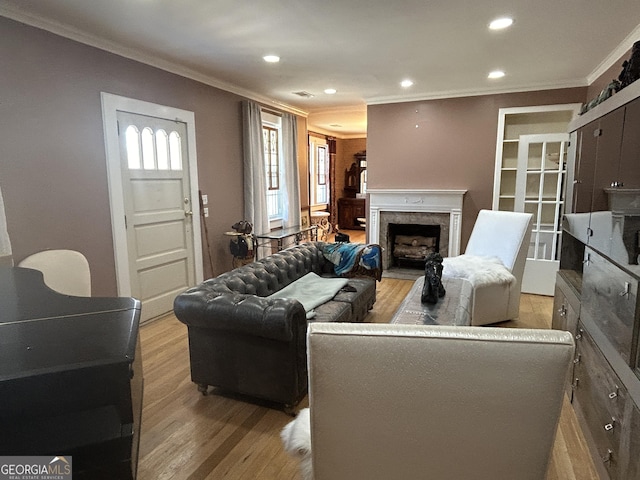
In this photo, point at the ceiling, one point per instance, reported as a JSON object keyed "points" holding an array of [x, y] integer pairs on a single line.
{"points": [[362, 48]]}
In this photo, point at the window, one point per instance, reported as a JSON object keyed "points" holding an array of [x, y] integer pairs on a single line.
{"points": [[319, 172], [271, 135], [153, 151]]}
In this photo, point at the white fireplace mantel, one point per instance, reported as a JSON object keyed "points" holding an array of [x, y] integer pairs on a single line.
{"points": [[412, 200]]}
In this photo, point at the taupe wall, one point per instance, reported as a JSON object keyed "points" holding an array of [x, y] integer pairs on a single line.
{"points": [[53, 168], [52, 158], [445, 144]]}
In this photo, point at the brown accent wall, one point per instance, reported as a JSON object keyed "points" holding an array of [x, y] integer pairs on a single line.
{"points": [[53, 171], [445, 144]]}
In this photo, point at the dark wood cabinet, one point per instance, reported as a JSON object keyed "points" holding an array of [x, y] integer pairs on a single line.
{"points": [[597, 286], [585, 169], [349, 210], [629, 172], [609, 142], [608, 157]]}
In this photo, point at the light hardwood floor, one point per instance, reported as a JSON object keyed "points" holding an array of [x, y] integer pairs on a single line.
{"points": [[186, 435]]}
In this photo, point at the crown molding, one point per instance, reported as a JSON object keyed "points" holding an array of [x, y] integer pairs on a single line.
{"points": [[74, 34], [615, 56], [476, 92]]}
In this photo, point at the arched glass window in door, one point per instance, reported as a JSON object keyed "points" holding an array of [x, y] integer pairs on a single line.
{"points": [[153, 151]]}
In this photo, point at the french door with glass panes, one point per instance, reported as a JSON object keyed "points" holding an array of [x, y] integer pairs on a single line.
{"points": [[541, 190]]}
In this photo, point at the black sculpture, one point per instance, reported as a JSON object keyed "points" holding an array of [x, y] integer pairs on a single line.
{"points": [[631, 68], [433, 288]]}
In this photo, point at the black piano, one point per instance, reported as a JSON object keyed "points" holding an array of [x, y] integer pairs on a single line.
{"points": [[70, 376]]}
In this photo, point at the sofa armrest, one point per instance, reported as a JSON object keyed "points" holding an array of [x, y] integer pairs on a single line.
{"points": [[243, 314]]}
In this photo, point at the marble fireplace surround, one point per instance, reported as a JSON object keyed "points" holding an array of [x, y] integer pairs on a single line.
{"points": [[422, 207]]}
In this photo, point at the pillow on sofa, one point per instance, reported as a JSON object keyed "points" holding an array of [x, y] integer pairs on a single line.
{"points": [[311, 290]]}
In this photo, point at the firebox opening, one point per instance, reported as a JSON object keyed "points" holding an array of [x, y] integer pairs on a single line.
{"points": [[411, 243]]}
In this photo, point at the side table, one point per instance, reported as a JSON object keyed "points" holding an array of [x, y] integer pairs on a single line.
{"points": [[280, 235]]}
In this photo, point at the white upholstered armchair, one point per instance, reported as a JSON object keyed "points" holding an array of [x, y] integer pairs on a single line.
{"points": [[493, 265], [415, 401]]}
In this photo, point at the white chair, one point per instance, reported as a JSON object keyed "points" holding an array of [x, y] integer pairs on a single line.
{"points": [[415, 401], [65, 271], [493, 264]]}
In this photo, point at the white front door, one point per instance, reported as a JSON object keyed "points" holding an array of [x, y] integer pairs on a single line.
{"points": [[155, 240], [158, 209], [540, 190]]}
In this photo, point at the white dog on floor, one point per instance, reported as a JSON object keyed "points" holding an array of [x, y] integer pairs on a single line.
{"points": [[296, 437]]}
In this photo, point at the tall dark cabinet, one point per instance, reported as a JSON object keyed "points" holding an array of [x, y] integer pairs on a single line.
{"points": [[597, 285], [351, 207]]}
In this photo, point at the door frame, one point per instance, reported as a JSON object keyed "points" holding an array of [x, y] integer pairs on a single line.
{"points": [[111, 104]]}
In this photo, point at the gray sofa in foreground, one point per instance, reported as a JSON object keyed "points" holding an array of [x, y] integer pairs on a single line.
{"points": [[245, 343]]}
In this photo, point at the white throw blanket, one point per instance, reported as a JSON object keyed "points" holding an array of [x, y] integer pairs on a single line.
{"points": [[311, 291], [479, 271]]}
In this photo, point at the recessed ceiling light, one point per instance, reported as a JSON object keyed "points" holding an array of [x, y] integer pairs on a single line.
{"points": [[330, 91], [500, 23], [271, 58], [406, 83], [496, 74]]}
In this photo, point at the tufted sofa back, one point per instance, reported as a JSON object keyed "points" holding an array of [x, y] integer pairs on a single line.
{"points": [[270, 274]]}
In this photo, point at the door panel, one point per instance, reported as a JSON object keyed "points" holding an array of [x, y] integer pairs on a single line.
{"points": [[158, 211], [149, 241], [540, 190]]}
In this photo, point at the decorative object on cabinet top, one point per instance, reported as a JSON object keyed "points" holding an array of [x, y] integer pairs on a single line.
{"points": [[621, 98], [631, 68], [630, 73]]}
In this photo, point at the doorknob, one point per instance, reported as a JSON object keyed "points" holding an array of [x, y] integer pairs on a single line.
{"points": [[188, 213]]}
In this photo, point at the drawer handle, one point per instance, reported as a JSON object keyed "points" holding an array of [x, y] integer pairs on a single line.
{"points": [[608, 457], [609, 426], [627, 287], [579, 334], [577, 359], [614, 394], [562, 311], [575, 383]]}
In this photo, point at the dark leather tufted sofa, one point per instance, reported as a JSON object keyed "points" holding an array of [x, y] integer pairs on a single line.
{"points": [[244, 343]]}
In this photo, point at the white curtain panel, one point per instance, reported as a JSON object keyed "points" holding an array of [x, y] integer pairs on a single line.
{"points": [[255, 190], [5, 242], [292, 215]]}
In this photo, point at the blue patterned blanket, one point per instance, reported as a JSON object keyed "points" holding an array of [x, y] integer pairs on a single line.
{"points": [[351, 259]]}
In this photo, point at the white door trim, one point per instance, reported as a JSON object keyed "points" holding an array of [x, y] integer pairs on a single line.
{"points": [[110, 105]]}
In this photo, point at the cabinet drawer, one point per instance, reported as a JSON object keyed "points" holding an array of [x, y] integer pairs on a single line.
{"points": [[604, 404], [609, 300], [598, 382]]}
